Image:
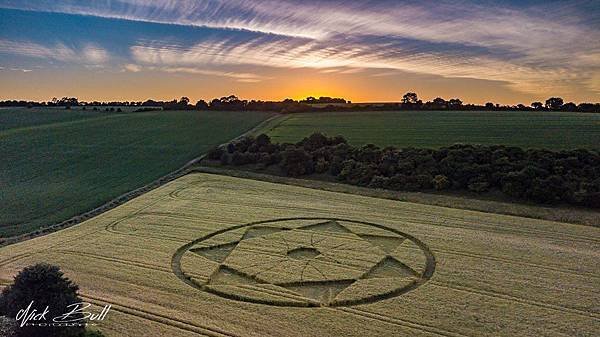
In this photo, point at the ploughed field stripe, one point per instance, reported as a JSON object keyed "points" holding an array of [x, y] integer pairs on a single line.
{"points": [[401, 322], [159, 318], [520, 300]]}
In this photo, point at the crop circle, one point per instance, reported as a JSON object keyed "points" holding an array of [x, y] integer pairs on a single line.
{"points": [[305, 262]]}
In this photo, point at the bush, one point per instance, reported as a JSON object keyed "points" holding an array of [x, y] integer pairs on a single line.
{"points": [[45, 285], [440, 182], [8, 327], [240, 158], [379, 182], [224, 159], [231, 148], [215, 153], [478, 185], [538, 175], [296, 162], [322, 165], [92, 333], [314, 142], [263, 140]]}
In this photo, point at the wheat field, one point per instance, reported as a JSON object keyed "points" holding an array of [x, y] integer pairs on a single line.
{"points": [[212, 255]]}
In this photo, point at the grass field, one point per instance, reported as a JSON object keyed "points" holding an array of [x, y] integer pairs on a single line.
{"points": [[432, 129], [13, 118], [209, 255], [57, 163]]}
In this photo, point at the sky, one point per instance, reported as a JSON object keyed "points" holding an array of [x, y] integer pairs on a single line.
{"points": [[502, 51]]}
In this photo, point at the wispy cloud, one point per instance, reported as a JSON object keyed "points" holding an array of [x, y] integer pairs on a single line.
{"points": [[351, 55], [23, 70], [238, 76], [472, 23], [88, 54], [134, 68], [532, 46], [94, 54]]}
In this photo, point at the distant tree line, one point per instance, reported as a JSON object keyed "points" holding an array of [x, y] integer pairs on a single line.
{"points": [[324, 100], [410, 101], [541, 176]]}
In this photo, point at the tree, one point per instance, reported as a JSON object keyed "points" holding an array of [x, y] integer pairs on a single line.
{"points": [[45, 285], [410, 98], [68, 101], [490, 105], [589, 107], [537, 105], [554, 103], [454, 103], [184, 101], [201, 105], [569, 107], [439, 103]]}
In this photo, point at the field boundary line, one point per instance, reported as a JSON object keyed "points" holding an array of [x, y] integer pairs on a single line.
{"points": [[11, 131], [332, 186], [516, 299], [119, 200], [160, 318], [401, 322], [271, 125]]}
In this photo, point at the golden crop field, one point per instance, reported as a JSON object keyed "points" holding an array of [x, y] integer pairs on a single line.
{"points": [[214, 255]]}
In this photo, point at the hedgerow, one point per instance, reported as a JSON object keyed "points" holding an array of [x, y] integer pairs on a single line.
{"points": [[543, 176]]}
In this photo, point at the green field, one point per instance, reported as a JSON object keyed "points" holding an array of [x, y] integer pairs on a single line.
{"points": [[433, 129], [210, 255], [57, 163]]}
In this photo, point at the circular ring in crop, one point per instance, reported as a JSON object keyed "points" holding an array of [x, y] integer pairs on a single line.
{"points": [[309, 262]]}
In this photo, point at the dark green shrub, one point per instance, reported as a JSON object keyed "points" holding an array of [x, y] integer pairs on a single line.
{"points": [[478, 185], [241, 158], [263, 140], [296, 162], [45, 285], [8, 327], [538, 175], [92, 333], [440, 182], [321, 165], [215, 153], [224, 159]]}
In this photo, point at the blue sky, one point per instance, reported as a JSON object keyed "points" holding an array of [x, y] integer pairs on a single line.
{"points": [[505, 51]]}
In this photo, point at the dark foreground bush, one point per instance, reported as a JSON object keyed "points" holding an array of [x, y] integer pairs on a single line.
{"points": [[536, 175], [8, 327], [45, 285]]}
